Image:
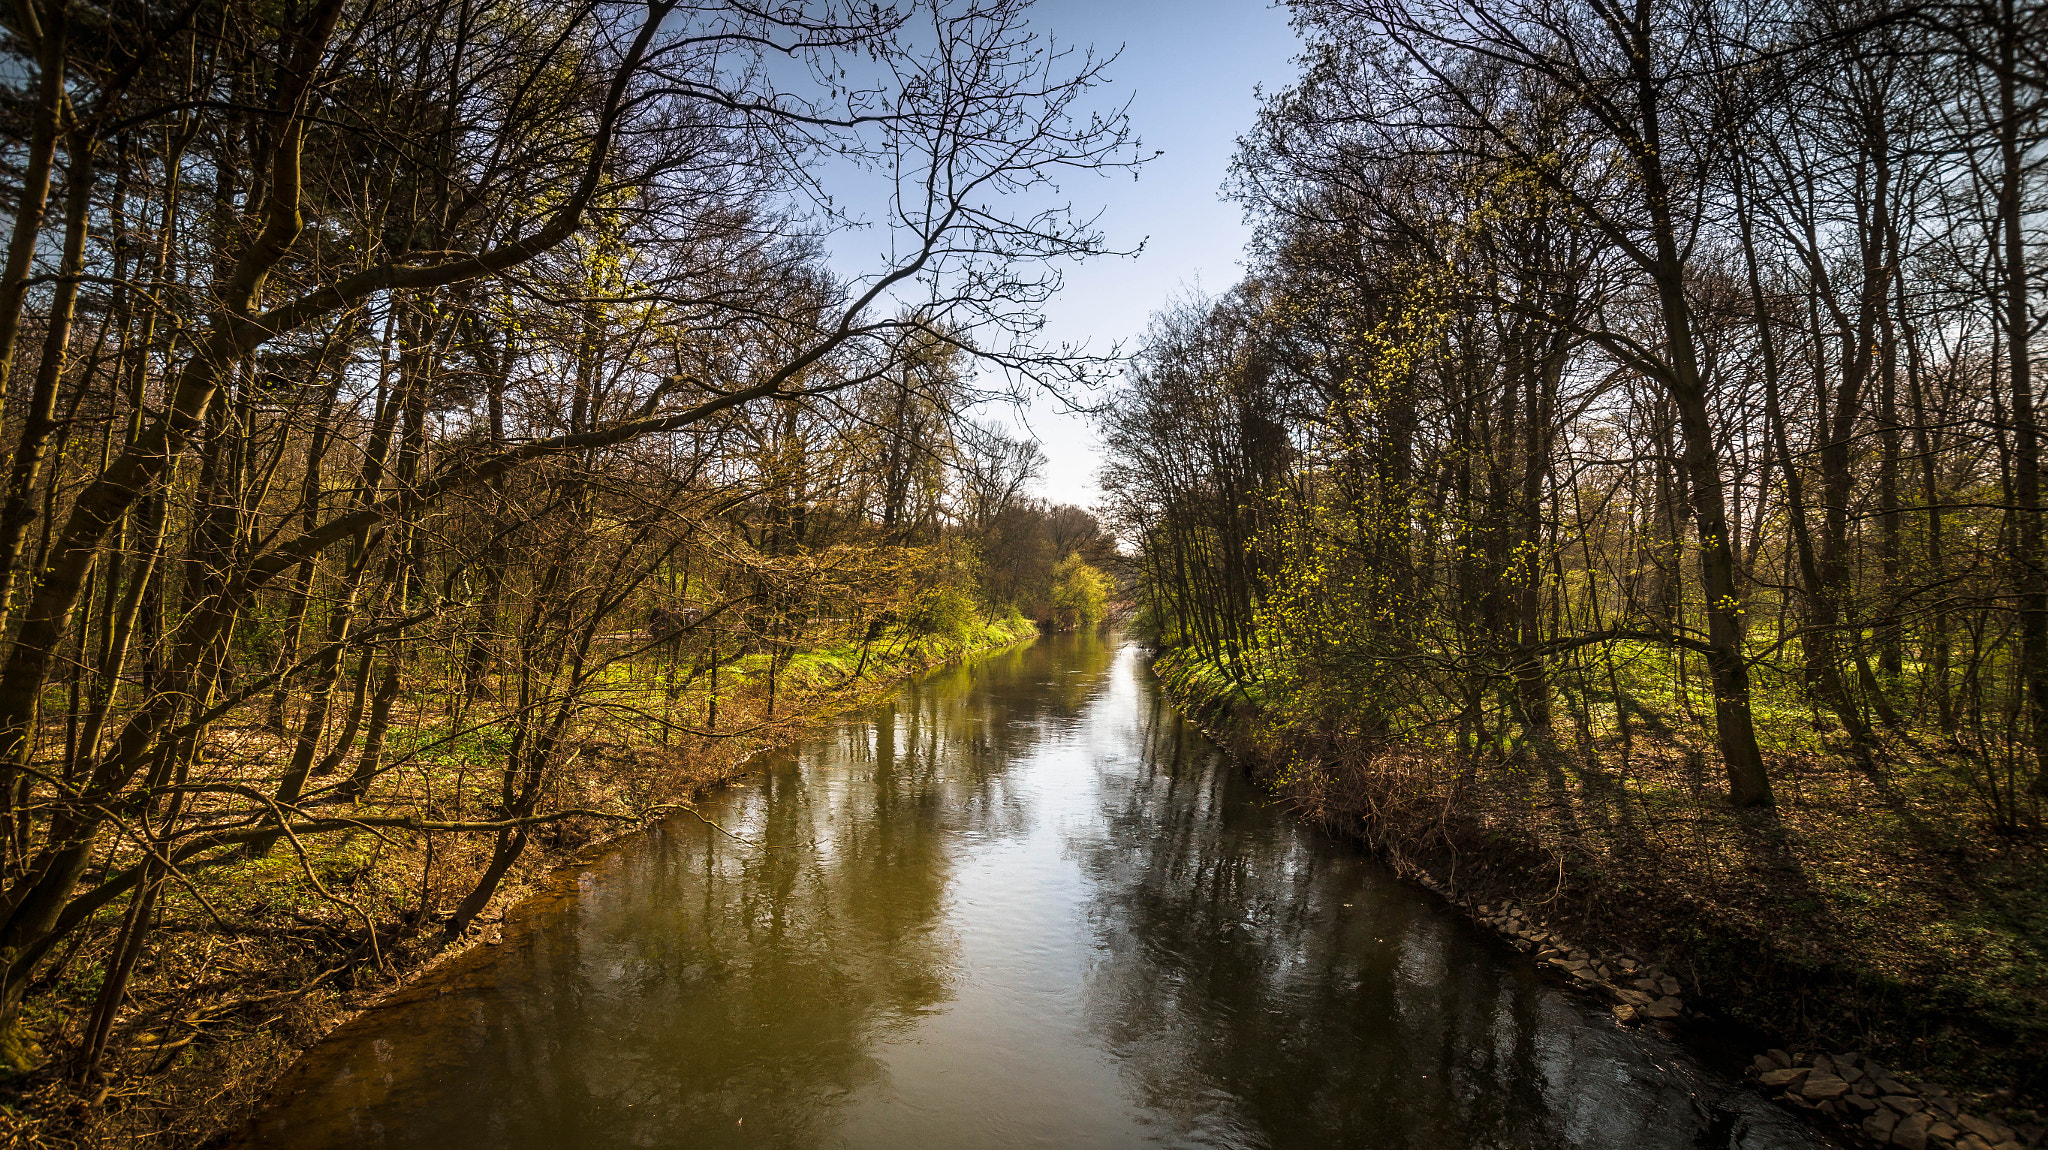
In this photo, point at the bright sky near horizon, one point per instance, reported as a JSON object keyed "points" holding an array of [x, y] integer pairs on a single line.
{"points": [[1190, 69]]}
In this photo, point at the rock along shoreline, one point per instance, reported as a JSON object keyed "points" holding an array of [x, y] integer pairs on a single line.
{"points": [[1849, 1095]]}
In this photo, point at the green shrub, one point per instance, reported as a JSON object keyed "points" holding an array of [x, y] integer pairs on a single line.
{"points": [[943, 613], [1079, 594]]}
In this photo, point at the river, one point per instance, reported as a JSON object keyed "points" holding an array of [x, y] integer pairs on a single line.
{"points": [[1021, 904]]}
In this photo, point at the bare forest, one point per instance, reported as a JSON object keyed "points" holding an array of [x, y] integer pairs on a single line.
{"points": [[444, 435], [443, 432], [1623, 462]]}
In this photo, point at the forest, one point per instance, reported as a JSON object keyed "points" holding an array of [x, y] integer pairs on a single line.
{"points": [[444, 432], [445, 436], [1623, 452]]}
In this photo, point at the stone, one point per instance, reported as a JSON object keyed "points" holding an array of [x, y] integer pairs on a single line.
{"points": [[1886, 1084], [1762, 1062], [1972, 1142], [1669, 984], [1665, 1008], [1911, 1132], [1878, 1127], [1903, 1103], [1849, 1073], [1942, 1134], [1867, 1088], [1822, 1064], [1624, 1013], [1859, 1103], [1823, 1087], [1638, 998], [1988, 1131], [1789, 1079], [1780, 1057]]}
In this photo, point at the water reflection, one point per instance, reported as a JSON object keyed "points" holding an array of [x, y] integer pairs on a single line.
{"points": [[1021, 904], [1263, 989]]}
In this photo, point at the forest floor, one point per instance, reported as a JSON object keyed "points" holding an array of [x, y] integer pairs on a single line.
{"points": [[251, 963], [1872, 910]]}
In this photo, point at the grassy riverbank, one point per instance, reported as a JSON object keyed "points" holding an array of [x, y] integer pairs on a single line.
{"points": [[256, 960], [1861, 914]]}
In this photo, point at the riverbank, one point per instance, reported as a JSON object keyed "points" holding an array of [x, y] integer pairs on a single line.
{"points": [[1862, 914], [1021, 903], [259, 960]]}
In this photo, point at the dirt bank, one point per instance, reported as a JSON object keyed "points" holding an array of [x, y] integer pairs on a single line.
{"points": [[253, 963], [1862, 914]]}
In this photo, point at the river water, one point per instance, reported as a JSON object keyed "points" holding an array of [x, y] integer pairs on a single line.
{"points": [[1022, 904]]}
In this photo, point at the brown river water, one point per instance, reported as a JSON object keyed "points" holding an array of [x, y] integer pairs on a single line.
{"points": [[1021, 904]]}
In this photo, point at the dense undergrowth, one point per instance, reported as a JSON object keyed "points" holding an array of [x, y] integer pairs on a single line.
{"points": [[1868, 910], [256, 960]]}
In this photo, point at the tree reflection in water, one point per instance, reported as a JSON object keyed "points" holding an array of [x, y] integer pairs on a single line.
{"points": [[1021, 903], [1263, 985]]}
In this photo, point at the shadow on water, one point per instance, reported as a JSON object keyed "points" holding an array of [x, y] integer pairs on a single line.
{"points": [[1265, 986], [1019, 904]]}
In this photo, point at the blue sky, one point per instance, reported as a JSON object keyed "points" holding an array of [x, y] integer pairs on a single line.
{"points": [[1190, 70]]}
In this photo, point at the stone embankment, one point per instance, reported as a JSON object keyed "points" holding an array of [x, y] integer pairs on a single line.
{"points": [[1883, 1108], [1870, 1104], [1638, 991], [1866, 1104]]}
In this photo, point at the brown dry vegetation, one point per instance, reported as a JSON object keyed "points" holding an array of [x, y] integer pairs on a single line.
{"points": [[254, 962], [429, 423], [1861, 913], [1607, 488]]}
